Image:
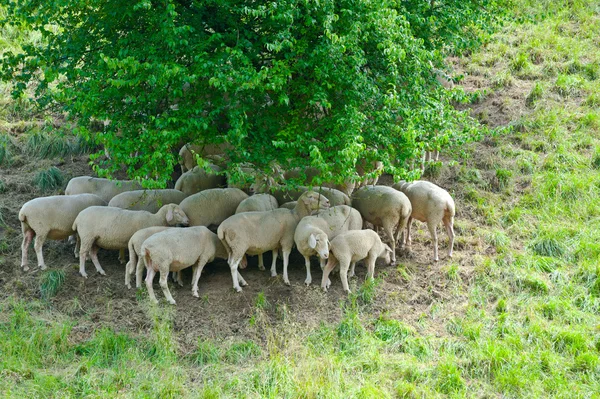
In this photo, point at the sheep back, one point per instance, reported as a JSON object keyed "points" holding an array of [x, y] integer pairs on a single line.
{"points": [[103, 188], [146, 200], [212, 206], [196, 180]]}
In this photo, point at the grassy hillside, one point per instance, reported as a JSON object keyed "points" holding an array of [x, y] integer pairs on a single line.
{"points": [[514, 314]]}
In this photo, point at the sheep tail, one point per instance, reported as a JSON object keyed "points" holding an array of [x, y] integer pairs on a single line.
{"points": [[147, 259]]}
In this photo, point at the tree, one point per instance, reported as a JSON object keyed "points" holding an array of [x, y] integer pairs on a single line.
{"points": [[301, 82]]}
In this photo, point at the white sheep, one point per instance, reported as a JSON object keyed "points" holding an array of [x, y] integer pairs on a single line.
{"points": [[254, 233], [430, 204], [335, 197], [103, 188], [310, 173], [195, 180], [350, 247], [187, 153], [212, 206], [257, 203], [112, 228], [313, 233], [382, 206], [51, 218], [362, 168], [135, 260], [176, 249], [147, 200]]}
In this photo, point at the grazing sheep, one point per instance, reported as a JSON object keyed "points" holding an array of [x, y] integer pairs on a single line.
{"points": [[187, 158], [195, 180], [112, 228], [146, 200], [334, 196], [103, 188], [310, 173], [430, 204], [382, 206], [289, 205], [314, 232], [350, 247], [254, 233], [135, 260], [212, 206], [51, 218], [177, 249], [258, 203]]}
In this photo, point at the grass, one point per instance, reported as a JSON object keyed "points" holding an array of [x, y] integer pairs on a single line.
{"points": [[51, 282], [49, 180], [514, 314]]}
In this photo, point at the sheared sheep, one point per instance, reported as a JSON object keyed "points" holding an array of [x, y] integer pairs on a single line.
{"points": [[350, 247], [51, 218], [257, 203], [254, 233], [313, 233], [177, 249], [135, 260], [382, 206], [335, 197], [196, 180], [187, 154], [210, 207], [146, 200], [430, 204], [310, 173], [103, 188], [112, 228]]}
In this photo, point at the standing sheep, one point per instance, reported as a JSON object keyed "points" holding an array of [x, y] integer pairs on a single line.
{"points": [[211, 207], [196, 180], [430, 204], [254, 233], [176, 249], [112, 228], [310, 173], [146, 200], [382, 206], [313, 233], [187, 154], [335, 197], [103, 188], [350, 247], [135, 259], [51, 217]]}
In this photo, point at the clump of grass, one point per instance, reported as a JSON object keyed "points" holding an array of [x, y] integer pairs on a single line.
{"points": [[8, 148], [206, 353], [536, 93], [449, 379], [596, 160], [548, 247], [433, 169], [239, 351], [51, 282], [50, 179], [107, 348], [261, 301], [2, 187], [367, 292], [567, 85], [44, 145], [503, 177]]}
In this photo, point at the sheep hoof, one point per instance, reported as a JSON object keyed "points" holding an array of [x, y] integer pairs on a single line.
{"points": [[180, 283], [273, 274], [195, 294], [154, 301], [172, 302], [348, 292], [307, 282], [238, 289], [324, 289], [43, 267], [25, 268], [287, 282], [128, 286], [261, 268], [102, 272], [350, 275], [84, 275]]}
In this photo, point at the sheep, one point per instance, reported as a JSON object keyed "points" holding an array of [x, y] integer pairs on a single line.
{"points": [[103, 188], [112, 228], [258, 203], [257, 232], [362, 169], [135, 260], [146, 200], [212, 206], [382, 206], [177, 249], [347, 187], [350, 247], [187, 154], [195, 180], [282, 195], [430, 204], [314, 232], [51, 218], [289, 205]]}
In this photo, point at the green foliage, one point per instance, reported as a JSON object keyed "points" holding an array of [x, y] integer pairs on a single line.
{"points": [[8, 148], [50, 179], [51, 282], [302, 83]]}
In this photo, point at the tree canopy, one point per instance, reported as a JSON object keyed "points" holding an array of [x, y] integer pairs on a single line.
{"points": [[318, 83]]}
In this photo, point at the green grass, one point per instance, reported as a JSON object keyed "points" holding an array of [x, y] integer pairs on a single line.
{"points": [[51, 282], [49, 180]]}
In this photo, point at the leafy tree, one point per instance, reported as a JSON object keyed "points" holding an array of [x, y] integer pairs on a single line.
{"points": [[301, 82]]}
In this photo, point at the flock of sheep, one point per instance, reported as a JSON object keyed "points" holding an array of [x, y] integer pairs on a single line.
{"points": [[328, 222]]}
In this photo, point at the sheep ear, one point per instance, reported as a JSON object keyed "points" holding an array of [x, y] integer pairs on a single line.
{"points": [[312, 241], [169, 215]]}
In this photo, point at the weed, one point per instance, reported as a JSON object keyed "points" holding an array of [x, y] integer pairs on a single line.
{"points": [[367, 292], [261, 301], [503, 177], [433, 169], [48, 180], [548, 247], [107, 348], [596, 160], [535, 94], [449, 379], [8, 148], [51, 282], [206, 353], [567, 85], [240, 351], [520, 62]]}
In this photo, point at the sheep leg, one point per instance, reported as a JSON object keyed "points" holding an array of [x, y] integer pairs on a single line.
{"points": [[344, 265], [261, 265], [325, 282], [370, 266], [308, 276], [94, 256], [38, 245], [234, 273], [286, 258], [121, 256], [241, 280], [150, 272], [322, 264], [352, 266], [139, 270], [449, 224], [164, 284], [389, 231], [77, 243], [27, 237], [180, 278], [196, 276], [273, 269], [434, 238], [407, 240]]}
